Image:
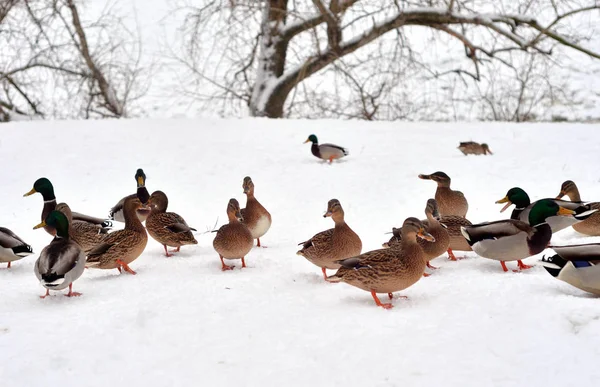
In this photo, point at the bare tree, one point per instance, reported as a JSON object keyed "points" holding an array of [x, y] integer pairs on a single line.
{"points": [[57, 64], [264, 52]]}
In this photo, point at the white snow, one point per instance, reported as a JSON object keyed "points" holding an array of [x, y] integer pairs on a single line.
{"points": [[181, 321]]}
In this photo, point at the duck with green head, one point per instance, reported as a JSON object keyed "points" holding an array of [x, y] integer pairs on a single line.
{"points": [[62, 261], [523, 206], [44, 187], [514, 240], [117, 212], [326, 151]]}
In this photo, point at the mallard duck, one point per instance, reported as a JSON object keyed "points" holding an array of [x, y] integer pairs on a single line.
{"points": [[86, 235], [474, 148], [116, 213], [233, 240], [577, 265], [12, 248], [590, 226], [326, 151], [450, 202], [514, 240], [329, 246], [256, 217], [121, 247], [387, 270], [46, 189], [167, 228], [523, 206], [62, 261]]}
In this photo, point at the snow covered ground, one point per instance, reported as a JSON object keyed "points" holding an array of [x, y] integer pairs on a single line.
{"points": [[181, 321]]}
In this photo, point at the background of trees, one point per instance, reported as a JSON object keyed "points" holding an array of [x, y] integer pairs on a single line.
{"points": [[449, 60]]}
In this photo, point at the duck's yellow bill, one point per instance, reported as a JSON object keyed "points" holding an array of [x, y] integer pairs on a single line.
{"points": [[307, 140], [30, 192], [565, 211], [43, 224], [504, 200]]}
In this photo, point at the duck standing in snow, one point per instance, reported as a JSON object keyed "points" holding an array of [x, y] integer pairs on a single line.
{"points": [[326, 151], [589, 226], [122, 247], [117, 212], [167, 228], [387, 270], [62, 261], [329, 246], [577, 265], [256, 217], [450, 202], [514, 240], [474, 148], [523, 206], [233, 240], [12, 248]]}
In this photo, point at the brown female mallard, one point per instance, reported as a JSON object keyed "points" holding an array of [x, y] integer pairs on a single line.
{"points": [[233, 240], [256, 217], [329, 246], [450, 202], [86, 235], [387, 270], [474, 148], [117, 212], [122, 247], [167, 228], [12, 248], [589, 226], [90, 224], [62, 261]]}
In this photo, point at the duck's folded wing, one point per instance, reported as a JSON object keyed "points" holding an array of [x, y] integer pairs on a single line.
{"points": [[496, 230], [100, 249], [179, 227], [317, 239], [9, 239], [333, 149], [92, 219], [584, 252]]}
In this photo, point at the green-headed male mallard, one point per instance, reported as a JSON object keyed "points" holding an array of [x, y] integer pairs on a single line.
{"points": [[514, 240], [329, 246], [589, 226], [450, 202], [523, 206], [474, 148], [117, 212], [577, 265], [12, 248], [62, 261], [233, 240], [326, 151], [387, 270], [121, 247], [167, 228], [256, 217]]}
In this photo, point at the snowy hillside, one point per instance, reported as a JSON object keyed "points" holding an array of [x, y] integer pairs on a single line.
{"points": [[182, 321]]}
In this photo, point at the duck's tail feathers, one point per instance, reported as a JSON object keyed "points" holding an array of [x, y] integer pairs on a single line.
{"points": [[584, 213], [22, 251], [52, 279], [334, 279], [464, 232]]}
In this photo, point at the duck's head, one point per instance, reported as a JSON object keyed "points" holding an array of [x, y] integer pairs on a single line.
{"points": [[140, 178], [312, 138], [486, 149], [546, 208], [158, 201], [58, 221], [248, 186], [395, 238], [233, 210], [334, 209], [439, 177], [43, 186], [413, 226], [567, 188], [516, 196], [431, 209]]}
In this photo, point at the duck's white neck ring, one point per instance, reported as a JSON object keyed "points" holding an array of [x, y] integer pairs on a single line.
{"points": [[49, 201]]}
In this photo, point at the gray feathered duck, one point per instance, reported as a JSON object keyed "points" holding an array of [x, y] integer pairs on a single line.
{"points": [[577, 265], [523, 206], [62, 261], [12, 248], [116, 213], [514, 240], [328, 152]]}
